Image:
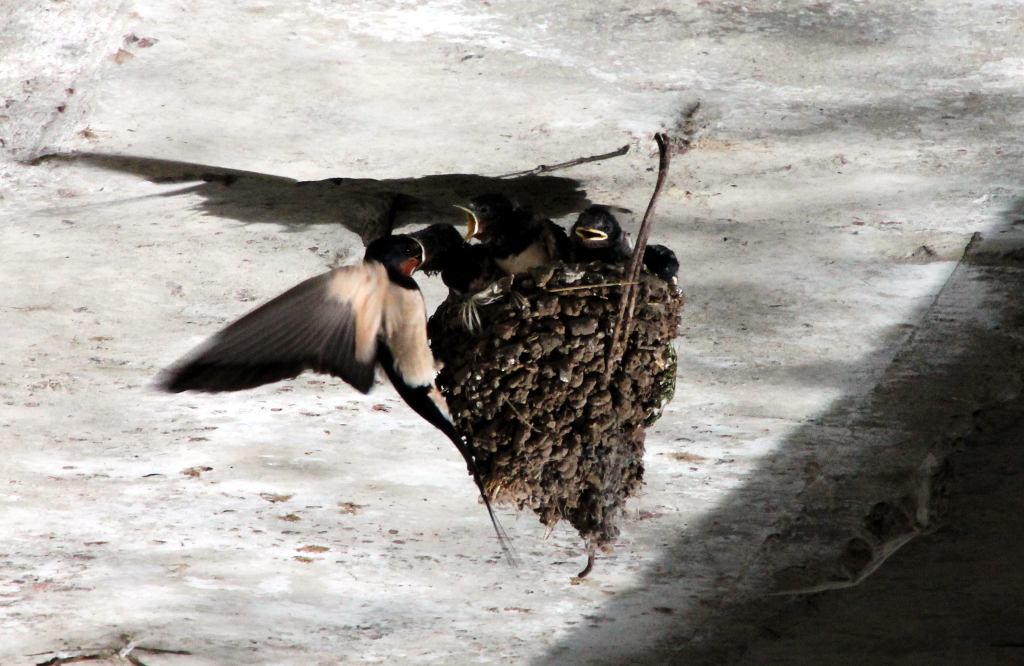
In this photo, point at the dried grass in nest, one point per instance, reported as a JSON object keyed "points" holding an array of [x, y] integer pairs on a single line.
{"points": [[527, 385]]}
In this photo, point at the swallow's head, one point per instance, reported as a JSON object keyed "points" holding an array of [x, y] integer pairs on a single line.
{"points": [[402, 254], [596, 227], [485, 212]]}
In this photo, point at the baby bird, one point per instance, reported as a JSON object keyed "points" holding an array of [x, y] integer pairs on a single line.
{"points": [[597, 236], [517, 240], [441, 244], [661, 261]]}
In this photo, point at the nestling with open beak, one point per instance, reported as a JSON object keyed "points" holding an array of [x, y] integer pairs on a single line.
{"points": [[343, 323], [597, 236], [516, 239], [442, 243]]}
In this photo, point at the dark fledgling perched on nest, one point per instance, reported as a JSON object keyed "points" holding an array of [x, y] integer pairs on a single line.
{"points": [[527, 389], [516, 239]]}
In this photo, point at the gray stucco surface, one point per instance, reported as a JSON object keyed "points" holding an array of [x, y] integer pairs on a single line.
{"points": [[849, 370]]}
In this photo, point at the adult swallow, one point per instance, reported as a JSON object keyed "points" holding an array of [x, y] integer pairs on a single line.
{"points": [[517, 240], [342, 323]]}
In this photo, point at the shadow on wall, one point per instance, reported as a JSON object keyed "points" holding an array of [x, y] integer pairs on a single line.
{"points": [[368, 207], [802, 24], [898, 117], [852, 487]]}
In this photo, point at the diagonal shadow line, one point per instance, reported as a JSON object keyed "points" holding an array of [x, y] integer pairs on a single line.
{"points": [[368, 207], [841, 494]]}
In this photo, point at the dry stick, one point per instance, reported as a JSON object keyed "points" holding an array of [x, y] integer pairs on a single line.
{"points": [[544, 168], [160, 650], [590, 286], [620, 334], [591, 555]]}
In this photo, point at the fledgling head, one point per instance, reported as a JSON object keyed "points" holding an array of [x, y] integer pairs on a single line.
{"points": [[487, 213], [661, 261], [399, 254], [596, 228], [441, 242]]}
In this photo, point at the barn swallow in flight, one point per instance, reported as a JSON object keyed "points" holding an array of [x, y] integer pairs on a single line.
{"points": [[517, 240], [342, 323], [597, 236]]}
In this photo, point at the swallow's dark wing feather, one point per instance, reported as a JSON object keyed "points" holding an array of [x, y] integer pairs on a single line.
{"points": [[327, 324], [557, 241]]}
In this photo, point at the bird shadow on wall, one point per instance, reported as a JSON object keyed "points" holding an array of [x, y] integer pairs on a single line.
{"points": [[368, 207]]}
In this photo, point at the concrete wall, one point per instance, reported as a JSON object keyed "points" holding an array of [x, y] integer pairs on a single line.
{"points": [[836, 352]]}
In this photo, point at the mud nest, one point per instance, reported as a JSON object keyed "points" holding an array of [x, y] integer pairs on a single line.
{"points": [[528, 386]]}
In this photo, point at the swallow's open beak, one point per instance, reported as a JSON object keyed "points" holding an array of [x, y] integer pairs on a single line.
{"points": [[591, 234], [472, 223]]}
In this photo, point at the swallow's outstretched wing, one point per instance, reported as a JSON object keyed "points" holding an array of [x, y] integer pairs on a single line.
{"points": [[329, 324], [341, 323]]}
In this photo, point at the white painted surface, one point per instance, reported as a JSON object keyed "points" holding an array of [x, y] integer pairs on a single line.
{"points": [[837, 140]]}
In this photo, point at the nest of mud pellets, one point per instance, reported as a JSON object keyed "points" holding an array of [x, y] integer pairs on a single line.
{"points": [[527, 386]]}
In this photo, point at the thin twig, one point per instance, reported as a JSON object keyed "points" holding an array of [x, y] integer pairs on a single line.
{"points": [[664, 159], [519, 416], [592, 286], [124, 652], [544, 168], [139, 648], [625, 317]]}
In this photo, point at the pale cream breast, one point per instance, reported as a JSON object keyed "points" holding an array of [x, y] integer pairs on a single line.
{"points": [[535, 255], [364, 288], [442, 404], [405, 330]]}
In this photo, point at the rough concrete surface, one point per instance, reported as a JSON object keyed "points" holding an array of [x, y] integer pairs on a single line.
{"points": [[835, 476]]}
